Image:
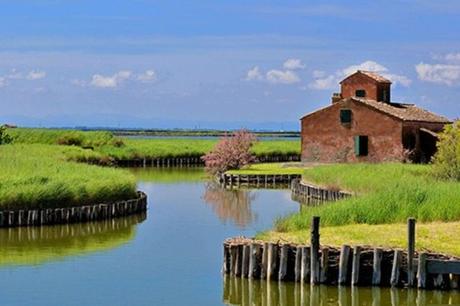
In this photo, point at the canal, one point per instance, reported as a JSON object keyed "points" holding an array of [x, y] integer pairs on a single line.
{"points": [[170, 256]]}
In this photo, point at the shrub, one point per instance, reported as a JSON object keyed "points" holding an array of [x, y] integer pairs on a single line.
{"points": [[4, 137], [447, 159], [70, 139], [231, 152]]}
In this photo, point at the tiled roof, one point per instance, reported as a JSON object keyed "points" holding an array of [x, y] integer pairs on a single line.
{"points": [[403, 111], [370, 74], [375, 76]]}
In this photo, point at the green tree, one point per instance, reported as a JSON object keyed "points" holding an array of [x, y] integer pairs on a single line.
{"points": [[446, 162], [4, 137]]}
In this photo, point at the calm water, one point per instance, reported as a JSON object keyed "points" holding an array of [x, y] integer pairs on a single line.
{"points": [[171, 256]]}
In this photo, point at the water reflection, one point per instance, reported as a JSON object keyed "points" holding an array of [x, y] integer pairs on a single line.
{"points": [[36, 245], [171, 175], [241, 291], [231, 204]]}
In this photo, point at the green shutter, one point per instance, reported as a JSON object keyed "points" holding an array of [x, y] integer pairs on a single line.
{"points": [[345, 116], [357, 145]]}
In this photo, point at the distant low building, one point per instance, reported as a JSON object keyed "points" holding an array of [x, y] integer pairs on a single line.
{"points": [[9, 126], [361, 124]]}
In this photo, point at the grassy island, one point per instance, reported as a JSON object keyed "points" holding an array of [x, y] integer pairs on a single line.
{"points": [[39, 175], [385, 196]]}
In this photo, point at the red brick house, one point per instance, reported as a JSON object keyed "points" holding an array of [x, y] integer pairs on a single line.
{"points": [[361, 124]]}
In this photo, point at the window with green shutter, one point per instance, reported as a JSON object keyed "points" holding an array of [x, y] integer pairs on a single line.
{"points": [[345, 116], [361, 145]]}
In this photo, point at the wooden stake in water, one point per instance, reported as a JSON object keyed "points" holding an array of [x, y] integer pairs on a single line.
{"points": [[410, 251], [314, 257]]}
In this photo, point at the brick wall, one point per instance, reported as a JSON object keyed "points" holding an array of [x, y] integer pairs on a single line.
{"points": [[326, 139]]}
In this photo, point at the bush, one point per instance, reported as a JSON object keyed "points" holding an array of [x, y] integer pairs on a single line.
{"points": [[70, 139], [446, 162], [231, 152], [4, 137]]}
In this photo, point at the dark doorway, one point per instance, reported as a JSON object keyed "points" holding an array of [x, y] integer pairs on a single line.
{"points": [[428, 141]]}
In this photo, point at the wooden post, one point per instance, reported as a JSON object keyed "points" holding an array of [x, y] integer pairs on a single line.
{"points": [[226, 263], [324, 265], [355, 266], [245, 261], [314, 257], [254, 250], [410, 251], [343, 264], [263, 269], [272, 259], [305, 265], [394, 281], [282, 271], [298, 263], [421, 271], [377, 267]]}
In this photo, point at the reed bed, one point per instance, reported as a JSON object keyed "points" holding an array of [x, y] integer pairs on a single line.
{"points": [[39, 175], [384, 194]]}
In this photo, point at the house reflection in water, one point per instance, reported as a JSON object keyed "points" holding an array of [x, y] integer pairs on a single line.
{"points": [[231, 205]]}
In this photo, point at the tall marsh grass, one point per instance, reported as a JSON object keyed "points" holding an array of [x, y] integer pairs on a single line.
{"points": [[39, 175], [385, 193]]}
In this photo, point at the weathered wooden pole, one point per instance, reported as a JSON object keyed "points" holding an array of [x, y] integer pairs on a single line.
{"points": [[421, 271], [394, 280], [410, 251], [305, 265], [343, 264], [314, 257], [377, 267], [355, 266]]}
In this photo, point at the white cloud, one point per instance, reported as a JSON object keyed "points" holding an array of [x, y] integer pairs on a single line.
{"points": [[282, 77], [254, 74], [3, 82], [439, 73], [14, 75], [331, 81], [36, 75], [318, 74], [452, 57], [293, 64], [277, 76], [147, 76], [113, 81]]}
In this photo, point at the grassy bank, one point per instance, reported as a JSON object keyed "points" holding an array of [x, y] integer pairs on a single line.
{"points": [[385, 196], [386, 193], [270, 168], [38, 175], [107, 146], [438, 237]]}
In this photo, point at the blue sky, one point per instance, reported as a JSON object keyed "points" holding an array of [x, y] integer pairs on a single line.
{"points": [[217, 64]]}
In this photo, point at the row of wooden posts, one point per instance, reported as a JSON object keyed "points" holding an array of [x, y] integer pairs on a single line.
{"points": [[257, 180], [193, 161], [355, 266], [48, 216], [304, 192]]}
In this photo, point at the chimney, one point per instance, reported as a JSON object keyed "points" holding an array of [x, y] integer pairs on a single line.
{"points": [[336, 97]]}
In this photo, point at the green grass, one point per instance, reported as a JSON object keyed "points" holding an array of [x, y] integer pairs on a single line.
{"points": [[175, 147], [54, 136], [386, 193], [270, 168], [105, 148], [38, 175], [436, 237]]}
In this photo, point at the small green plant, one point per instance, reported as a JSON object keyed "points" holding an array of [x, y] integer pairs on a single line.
{"points": [[4, 137], [447, 159]]}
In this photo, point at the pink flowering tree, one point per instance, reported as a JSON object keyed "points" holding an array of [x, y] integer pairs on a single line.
{"points": [[231, 152]]}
